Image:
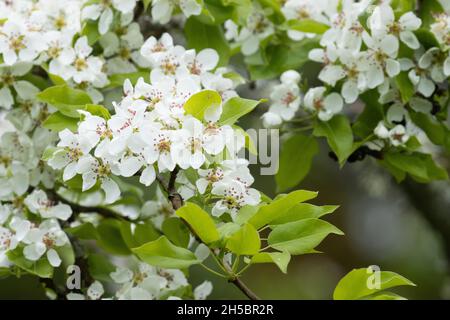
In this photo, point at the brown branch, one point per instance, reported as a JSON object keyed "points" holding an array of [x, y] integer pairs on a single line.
{"points": [[177, 202], [103, 211]]}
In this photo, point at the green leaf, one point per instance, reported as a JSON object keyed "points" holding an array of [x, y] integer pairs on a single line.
{"points": [[420, 166], [98, 110], [235, 108], [429, 8], [48, 153], [339, 136], [372, 114], [162, 253], [200, 222], [40, 268], [427, 38], [308, 26], [136, 234], [110, 237], [355, 285], [245, 241], [58, 122], [90, 30], [282, 57], [146, 4], [436, 131], [201, 36], [66, 99], [296, 158], [100, 267], [278, 207], [176, 231], [402, 6], [304, 211], [301, 236], [405, 86], [200, 102], [281, 259], [85, 231]]}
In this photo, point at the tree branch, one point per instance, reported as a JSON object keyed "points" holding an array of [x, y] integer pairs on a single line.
{"points": [[177, 202], [103, 211]]}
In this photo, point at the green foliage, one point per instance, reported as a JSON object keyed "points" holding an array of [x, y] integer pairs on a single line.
{"points": [[281, 57], [200, 102], [40, 268], [200, 36], [117, 80], [163, 253], [245, 241], [295, 161], [405, 86], [200, 222], [280, 259], [369, 285], [420, 166], [176, 231], [236, 108], [110, 237], [277, 208], [339, 135], [100, 267], [428, 8], [308, 25], [301, 236], [304, 211], [66, 99], [57, 121]]}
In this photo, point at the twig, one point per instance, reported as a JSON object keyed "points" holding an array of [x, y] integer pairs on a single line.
{"points": [[177, 202]]}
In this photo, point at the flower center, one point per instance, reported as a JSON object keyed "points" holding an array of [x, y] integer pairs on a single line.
{"points": [[80, 64], [16, 43]]}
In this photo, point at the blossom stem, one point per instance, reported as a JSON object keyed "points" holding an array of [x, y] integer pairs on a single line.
{"points": [[213, 271], [177, 202]]}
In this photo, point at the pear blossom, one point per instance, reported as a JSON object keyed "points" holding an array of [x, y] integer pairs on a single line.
{"points": [[104, 13], [39, 203], [162, 9], [326, 106], [382, 22], [45, 239]]}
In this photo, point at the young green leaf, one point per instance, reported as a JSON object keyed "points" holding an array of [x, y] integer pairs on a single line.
{"points": [[200, 221], [360, 284], [339, 136], [66, 99], [201, 36], [278, 207], [40, 268], [200, 102], [295, 161], [176, 231], [245, 241], [301, 236], [281, 259], [58, 122], [308, 26], [235, 108], [162, 253], [304, 211]]}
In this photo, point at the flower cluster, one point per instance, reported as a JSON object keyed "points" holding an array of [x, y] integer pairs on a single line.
{"points": [[35, 236], [151, 132], [147, 283], [256, 29], [365, 47]]}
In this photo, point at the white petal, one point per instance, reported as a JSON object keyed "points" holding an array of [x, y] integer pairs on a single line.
{"points": [[34, 251], [392, 67], [112, 191], [410, 39], [148, 176], [208, 58], [53, 258], [105, 21]]}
